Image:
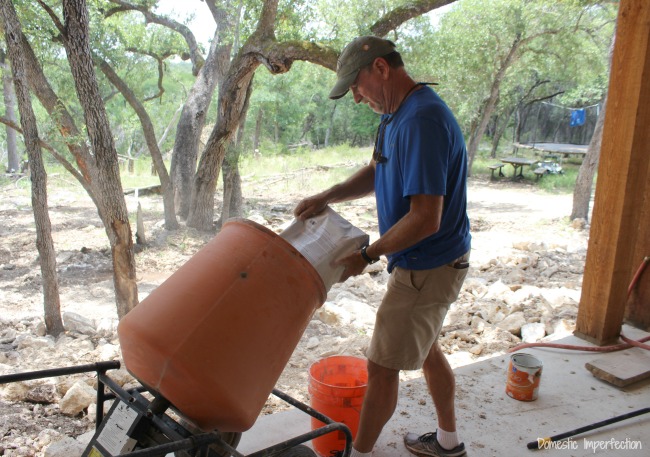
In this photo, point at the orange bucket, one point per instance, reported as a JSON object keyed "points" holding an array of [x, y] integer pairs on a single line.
{"points": [[337, 386], [524, 375]]}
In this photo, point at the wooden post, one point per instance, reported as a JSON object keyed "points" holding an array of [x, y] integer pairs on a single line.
{"points": [[620, 215]]}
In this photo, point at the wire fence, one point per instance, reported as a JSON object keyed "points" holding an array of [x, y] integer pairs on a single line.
{"points": [[551, 123]]}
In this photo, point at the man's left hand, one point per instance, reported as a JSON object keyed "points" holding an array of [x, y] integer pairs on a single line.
{"points": [[354, 264]]}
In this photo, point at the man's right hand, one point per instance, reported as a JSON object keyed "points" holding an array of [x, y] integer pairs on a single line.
{"points": [[310, 207]]}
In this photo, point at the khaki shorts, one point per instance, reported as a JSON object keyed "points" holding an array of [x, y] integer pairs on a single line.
{"points": [[411, 313]]}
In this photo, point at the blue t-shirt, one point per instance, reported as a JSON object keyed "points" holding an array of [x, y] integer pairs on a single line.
{"points": [[425, 154]]}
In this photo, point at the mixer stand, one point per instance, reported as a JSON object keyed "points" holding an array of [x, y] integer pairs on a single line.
{"points": [[142, 423]]}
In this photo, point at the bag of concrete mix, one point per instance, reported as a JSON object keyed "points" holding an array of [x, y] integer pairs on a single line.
{"points": [[323, 239]]}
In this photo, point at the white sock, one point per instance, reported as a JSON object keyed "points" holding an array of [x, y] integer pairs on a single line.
{"points": [[447, 440], [356, 453]]}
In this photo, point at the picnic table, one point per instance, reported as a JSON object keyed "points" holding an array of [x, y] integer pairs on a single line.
{"points": [[518, 163], [565, 150]]}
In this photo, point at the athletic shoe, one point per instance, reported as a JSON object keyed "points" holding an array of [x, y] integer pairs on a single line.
{"points": [[427, 446]]}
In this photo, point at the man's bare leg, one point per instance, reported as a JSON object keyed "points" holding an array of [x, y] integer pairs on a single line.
{"points": [[442, 387], [378, 405]]}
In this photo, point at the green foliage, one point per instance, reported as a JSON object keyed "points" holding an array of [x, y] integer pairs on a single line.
{"points": [[127, 43], [306, 88], [462, 52], [554, 42], [303, 170]]}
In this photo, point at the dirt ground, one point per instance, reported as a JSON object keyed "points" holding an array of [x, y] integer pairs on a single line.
{"points": [[521, 238]]}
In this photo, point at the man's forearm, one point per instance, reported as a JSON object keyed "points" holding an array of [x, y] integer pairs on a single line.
{"points": [[358, 185], [421, 221]]}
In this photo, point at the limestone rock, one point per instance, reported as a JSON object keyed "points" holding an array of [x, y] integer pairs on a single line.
{"points": [[108, 351], [476, 286], [78, 398], [107, 327], [497, 290], [579, 223], [36, 342], [513, 323], [332, 314], [8, 335], [364, 315], [477, 349], [66, 447], [14, 391], [44, 393], [533, 332], [522, 294], [74, 322], [313, 342], [121, 376], [478, 324]]}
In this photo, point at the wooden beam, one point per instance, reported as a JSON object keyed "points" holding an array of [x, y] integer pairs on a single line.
{"points": [[614, 250]]}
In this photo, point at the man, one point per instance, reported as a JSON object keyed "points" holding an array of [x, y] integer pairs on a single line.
{"points": [[418, 173]]}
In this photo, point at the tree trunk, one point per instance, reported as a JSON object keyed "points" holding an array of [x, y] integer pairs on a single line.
{"points": [[258, 132], [191, 123], [232, 193], [110, 194], [13, 158], [585, 178], [188, 132], [232, 104], [307, 126], [150, 137], [501, 125], [44, 242], [330, 125], [55, 107], [491, 102], [172, 122]]}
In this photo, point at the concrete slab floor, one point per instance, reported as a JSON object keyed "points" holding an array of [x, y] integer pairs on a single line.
{"points": [[493, 424]]}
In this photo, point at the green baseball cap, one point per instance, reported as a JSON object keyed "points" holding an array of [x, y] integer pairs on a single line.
{"points": [[357, 54]]}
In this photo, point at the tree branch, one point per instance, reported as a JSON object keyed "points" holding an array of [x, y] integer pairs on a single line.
{"points": [[220, 15], [399, 15], [278, 57], [67, 165], [532, 88], [57, 22], [546, 97], [159, 60], [266, 23], [183, 30]]}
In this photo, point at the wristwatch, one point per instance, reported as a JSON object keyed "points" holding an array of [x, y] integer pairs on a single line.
{"points": [[366, 257]]}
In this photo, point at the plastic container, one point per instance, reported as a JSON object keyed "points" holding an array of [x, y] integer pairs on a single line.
{"points": [[337, 386], [215, 336], [524, 376]]}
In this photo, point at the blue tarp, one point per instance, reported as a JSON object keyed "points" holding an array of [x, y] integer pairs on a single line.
{"points": [[577, 117]]}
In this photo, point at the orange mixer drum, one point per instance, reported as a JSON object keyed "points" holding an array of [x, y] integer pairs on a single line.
{"points": [[215, 336]]}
